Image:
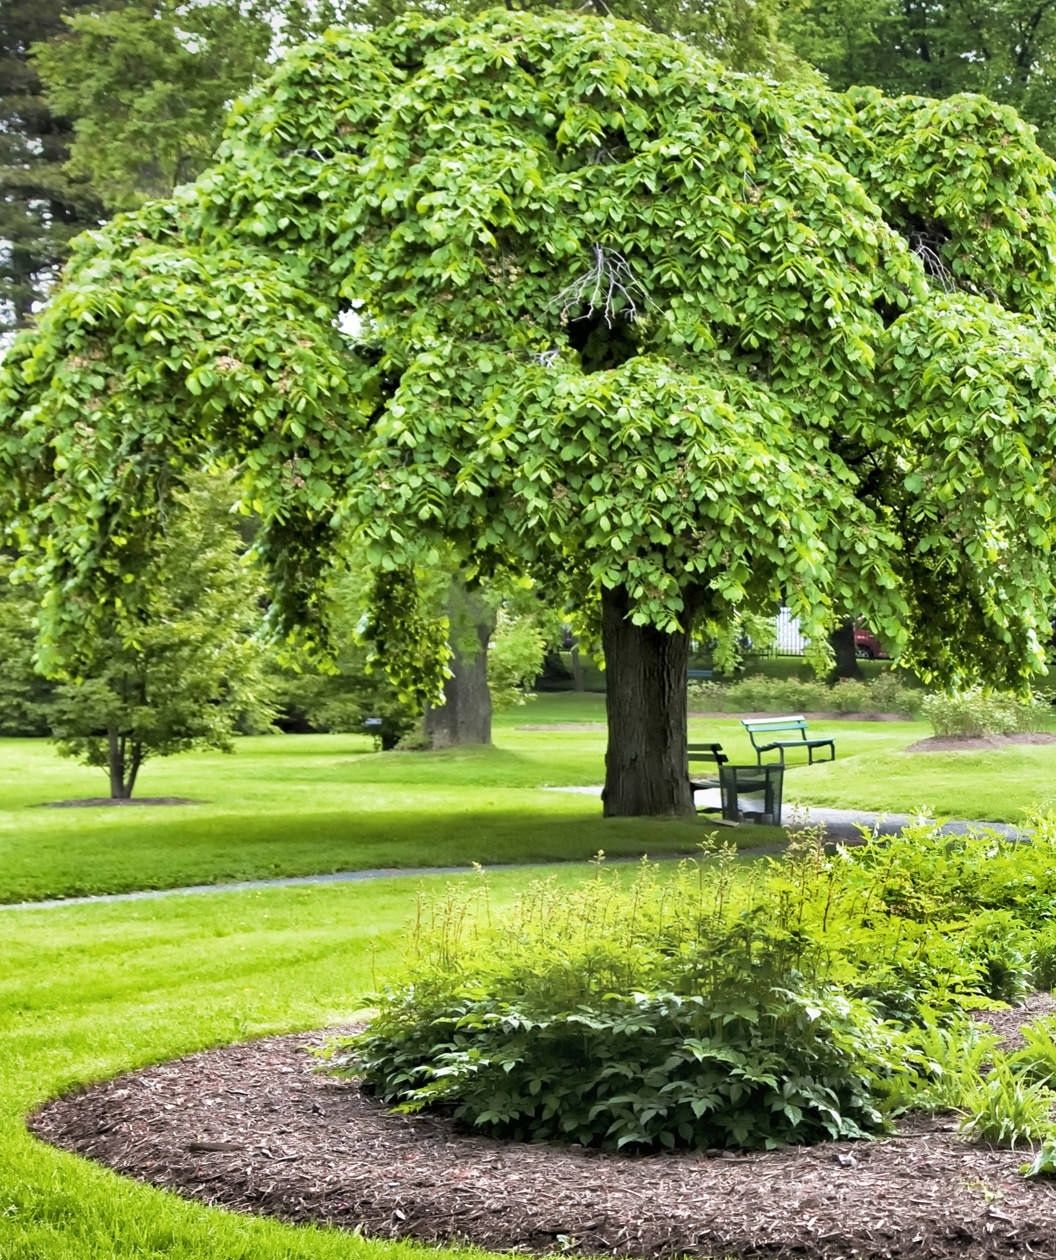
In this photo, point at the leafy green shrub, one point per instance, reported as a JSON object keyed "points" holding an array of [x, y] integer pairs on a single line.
{"points": [[1044, 1162], [977, 712], [925, 875], [759, 1068], [695, 1011], [1043, 956], [1006, 1110], [707, 695], [848, 695], [952, 1057], [805, 997], [888, 695], [1036, 1059], [778, 695], [759, 694], [1002, 947]]}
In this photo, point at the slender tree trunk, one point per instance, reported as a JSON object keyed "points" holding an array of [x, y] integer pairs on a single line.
{"points": [[465, 715], [577, 668], [645, 699], [842, 640], [133, 768], [119, 790]]}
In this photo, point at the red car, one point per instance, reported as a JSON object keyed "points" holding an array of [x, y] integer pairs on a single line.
{"points": [[868, 646]]}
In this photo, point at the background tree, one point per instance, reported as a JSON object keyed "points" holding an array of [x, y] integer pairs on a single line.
{"points": [[669, 340], [25, 696], [743, 34], [183, 671], [354, 686], [41, 206], [1005, 50], [147, 86]]}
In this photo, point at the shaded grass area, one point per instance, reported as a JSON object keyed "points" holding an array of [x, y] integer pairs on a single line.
{"points": [[87, 992], [296, 805], [300, 805]]}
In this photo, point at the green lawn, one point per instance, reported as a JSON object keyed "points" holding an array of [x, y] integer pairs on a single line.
{"points": [[90, 991], [295, 805]]}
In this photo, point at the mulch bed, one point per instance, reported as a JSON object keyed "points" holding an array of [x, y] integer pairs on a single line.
{"points": [[110, 800], [255, 1128], [973, 743]]}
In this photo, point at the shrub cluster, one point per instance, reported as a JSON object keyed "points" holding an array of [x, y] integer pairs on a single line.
{"points": [[720, 1006], [980, 712], [759, 694]]}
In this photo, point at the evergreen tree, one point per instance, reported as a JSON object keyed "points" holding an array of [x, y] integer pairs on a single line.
{"points": [[183, 670], [41, 206]]}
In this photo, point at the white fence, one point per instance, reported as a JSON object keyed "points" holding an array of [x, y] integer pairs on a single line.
{"points": [[787, 639]]}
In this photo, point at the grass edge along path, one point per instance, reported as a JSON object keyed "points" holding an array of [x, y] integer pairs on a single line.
{"points": [[288, 806], [89, 992]]}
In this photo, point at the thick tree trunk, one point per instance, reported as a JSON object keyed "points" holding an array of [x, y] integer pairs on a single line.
{"points": [[645, 699], [465, 715], [842, 640]]}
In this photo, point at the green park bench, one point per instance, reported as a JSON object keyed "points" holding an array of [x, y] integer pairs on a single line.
{"points": [[699, 782], [733, 782], [764, 728]]}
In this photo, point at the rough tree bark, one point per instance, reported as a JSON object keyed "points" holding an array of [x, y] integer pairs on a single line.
{"points": [[645, 700], [465, 715]]}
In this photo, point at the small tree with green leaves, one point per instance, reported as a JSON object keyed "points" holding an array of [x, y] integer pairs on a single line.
{"points": [[185, 669]]}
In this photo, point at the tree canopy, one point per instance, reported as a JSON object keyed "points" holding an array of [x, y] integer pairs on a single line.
{"points": [[675, 338]]}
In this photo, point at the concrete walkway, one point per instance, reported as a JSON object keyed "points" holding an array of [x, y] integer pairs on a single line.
{"points": [[840, 825]]}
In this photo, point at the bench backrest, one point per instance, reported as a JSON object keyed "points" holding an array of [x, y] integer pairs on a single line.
{"points": [[770, 726], [706, 752]]}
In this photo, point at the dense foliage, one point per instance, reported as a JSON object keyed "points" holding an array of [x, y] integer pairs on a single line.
{"points": [[713, 1009], [25, 696], [1003, 50], [884, 694], [979, 712]]}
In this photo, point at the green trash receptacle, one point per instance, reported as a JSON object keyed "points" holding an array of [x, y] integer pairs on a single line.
{"points": [[763, 782]]}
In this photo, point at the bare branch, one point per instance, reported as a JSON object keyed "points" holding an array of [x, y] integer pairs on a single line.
{"points": [[608, 288]]}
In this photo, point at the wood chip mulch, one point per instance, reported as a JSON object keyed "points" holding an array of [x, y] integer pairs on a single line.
{"points": [[257, 1128], [978, 743], [111, 801]]}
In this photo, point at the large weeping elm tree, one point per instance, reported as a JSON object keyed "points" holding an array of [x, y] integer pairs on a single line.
{"points": [[562, 295]]}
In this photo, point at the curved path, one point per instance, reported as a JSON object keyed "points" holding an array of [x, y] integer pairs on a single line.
{"points": [[844, 825]]}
